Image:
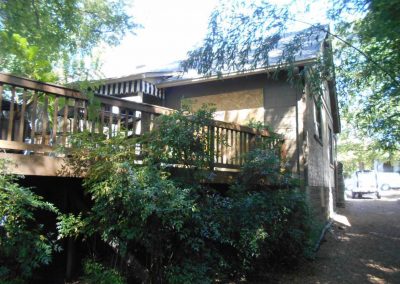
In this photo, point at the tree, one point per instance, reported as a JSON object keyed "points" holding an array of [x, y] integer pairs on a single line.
{"points": [[39, 37], [242, 34], [369, 83]]}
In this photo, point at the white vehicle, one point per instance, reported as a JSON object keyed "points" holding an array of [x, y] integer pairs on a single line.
{"points": [[388, 181], [364, 182]]}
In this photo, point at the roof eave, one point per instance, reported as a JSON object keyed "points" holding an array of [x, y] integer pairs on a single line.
{"points": [[198, 80]]}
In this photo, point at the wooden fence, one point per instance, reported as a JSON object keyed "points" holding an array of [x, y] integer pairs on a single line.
{"points": [[35, 117]]}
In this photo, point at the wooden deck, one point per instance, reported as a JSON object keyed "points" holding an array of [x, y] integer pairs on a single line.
{"points": [[37, 117]]}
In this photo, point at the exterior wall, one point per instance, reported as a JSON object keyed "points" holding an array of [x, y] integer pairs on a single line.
{"points": [[277, 107], [288, 111], [319, 172]]}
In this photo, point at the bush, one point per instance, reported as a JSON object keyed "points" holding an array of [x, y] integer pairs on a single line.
{"points": [[24, 244], [96, 273], [180, 231]]}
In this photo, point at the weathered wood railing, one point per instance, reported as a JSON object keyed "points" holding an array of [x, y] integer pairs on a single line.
{"points": [[35, 117]]}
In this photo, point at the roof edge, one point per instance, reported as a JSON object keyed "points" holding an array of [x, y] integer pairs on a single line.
{"points": [[203, 79]]}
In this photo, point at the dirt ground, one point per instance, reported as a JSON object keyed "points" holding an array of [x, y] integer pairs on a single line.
{"points": [[364, 247]]}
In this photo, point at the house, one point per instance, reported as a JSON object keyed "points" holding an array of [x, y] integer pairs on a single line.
{"points": [[308, 123], [308, 126]]}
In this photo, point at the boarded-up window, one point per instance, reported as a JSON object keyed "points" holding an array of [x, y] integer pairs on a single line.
{"points": [[239, 107]]}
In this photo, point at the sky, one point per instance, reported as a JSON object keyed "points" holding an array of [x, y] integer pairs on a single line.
{"points": [[170, 29]]}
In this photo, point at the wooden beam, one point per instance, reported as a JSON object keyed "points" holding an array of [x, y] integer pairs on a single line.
{"points": [[121, 103], [39, 86], [20, 146], [35, 165]]}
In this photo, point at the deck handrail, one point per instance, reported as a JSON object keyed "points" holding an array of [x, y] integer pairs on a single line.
{"points": [[36, 116]]}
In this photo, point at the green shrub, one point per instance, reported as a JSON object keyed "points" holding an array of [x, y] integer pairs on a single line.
{"points": [[181, 231], [96, 273], [24, 244]]}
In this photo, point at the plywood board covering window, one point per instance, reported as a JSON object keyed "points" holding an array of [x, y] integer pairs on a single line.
{"points": [[239, 106]]}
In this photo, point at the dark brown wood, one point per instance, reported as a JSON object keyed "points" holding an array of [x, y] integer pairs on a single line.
{"points": [[85, 114], [11, 118], [101, 124], [241, 149], [22, 117], [33, 116], [75, 121], [145, 122], [241, 128], [110, 122], [39, 86], [228, 142], [118, 127], [126, 122], [231, 148], [223, 148], [217, 138], [55, 122], [35, 165], [143, 107], [45, 119], [21, 146], [1, 103], [65, 121]]}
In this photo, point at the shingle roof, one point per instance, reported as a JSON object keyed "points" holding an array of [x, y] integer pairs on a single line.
{"points": [[311, 41]]}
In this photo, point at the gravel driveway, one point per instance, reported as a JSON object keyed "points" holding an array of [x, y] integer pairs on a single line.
{"points": [[366, 250]]}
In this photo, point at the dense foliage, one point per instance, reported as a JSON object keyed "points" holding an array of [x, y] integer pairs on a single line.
{"points": [[24, 244], [368, 75], [164, 228], [242, 36], [39, 38]]}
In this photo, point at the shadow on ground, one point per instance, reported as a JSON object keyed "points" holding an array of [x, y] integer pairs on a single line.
{"points": [[362, 247]]}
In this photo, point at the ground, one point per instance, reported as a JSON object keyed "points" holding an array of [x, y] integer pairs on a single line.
{"points": [[364, 247]]}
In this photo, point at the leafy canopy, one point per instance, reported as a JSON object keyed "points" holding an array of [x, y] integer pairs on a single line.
{"points": [[242, 35], [39, 37]]}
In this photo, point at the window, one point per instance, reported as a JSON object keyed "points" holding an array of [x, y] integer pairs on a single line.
{"points": [[330, 146], [318, 120]]}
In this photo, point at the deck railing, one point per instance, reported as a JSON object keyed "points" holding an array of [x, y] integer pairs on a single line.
{"points": [[35, 117]]}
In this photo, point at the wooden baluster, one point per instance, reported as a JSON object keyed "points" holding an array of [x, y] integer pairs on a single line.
{"points": [[231, 149], [118, 128], [145, 122], [110, 122], [211, 130], [33, 117], [1, 105], [45, 118], [217, 143], [241, 149], [222, 145], [152, 117], [55, 122], [65, 121], [22, 117], [85, 115], [101, 124], [246, 142], [11, 118], [239, 145], [135, 122], [75, 119], [126, 123]]}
